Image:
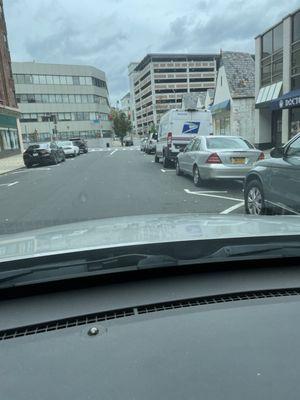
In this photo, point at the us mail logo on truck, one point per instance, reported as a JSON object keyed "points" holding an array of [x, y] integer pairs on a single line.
{"points": [[191, 128]]}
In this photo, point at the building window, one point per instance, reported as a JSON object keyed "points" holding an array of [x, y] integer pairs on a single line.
{"points": [[267, 44], [296, 82], [277, 38], [294, 121], [296, 27]]}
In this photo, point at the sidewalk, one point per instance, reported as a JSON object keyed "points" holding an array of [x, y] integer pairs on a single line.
{"points": [[11, 163]]}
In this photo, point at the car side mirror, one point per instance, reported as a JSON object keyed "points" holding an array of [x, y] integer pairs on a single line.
{"points": [[277, 152]]}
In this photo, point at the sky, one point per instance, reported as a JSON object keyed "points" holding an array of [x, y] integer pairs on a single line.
{"points": [[109, 34]]}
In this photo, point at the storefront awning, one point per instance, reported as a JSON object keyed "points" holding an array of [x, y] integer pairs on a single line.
{"points": [[287, 100], [219, 107], [267, 94]]}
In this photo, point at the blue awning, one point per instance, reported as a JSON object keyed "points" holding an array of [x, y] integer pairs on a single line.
{"points": [[287, 100], [219, 107]]}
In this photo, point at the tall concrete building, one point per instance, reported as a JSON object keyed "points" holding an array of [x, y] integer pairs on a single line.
{"points": [[10, 137], [61, 101], [131, 75], [277, 82], [160, 80]]}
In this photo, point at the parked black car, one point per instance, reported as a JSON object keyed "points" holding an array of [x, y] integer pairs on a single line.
{"points": [[128, 141], [82, 144], [43, 153], [273, 185]]}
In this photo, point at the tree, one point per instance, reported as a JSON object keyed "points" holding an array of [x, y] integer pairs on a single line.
{"points": [[121, 123]]}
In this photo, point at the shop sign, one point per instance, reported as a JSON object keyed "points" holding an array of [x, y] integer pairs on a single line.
{"points": [[290, 102]]}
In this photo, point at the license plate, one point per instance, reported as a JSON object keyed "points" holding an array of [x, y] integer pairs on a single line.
{"points": [[238, 160], [35, 155]]}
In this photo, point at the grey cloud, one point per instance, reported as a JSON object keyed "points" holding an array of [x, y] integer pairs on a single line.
{"points": [[109, 34]]}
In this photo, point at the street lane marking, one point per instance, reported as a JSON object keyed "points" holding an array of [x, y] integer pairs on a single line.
{"points": [[206, 194], [113, 152], [12, 184], [235, 207], [204, 191], [9, 184], [168, 170]]}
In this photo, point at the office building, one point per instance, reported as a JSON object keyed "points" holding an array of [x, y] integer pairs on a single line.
{"points": [[60, 101], [131, 75], [10, 136], [160, 80], [277, 82]]}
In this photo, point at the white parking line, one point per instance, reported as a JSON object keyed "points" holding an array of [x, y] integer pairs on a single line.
{"points": [[167, 170], [13, 183], [113, 152], [235, 207], [9, 184]]}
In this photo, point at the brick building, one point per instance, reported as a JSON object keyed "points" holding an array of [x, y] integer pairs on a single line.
{"points": [[10, 137]]}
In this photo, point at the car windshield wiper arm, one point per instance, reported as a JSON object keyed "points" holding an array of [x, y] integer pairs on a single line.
{"points": [[76, 268]]}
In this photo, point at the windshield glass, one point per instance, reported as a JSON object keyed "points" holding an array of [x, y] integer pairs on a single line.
{"points": [[226, 143], [163, 120]]}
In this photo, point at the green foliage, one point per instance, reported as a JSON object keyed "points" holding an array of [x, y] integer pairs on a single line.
{"points": [[121, 123]]}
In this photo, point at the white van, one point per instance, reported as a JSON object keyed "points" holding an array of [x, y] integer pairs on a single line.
{"points": [[176, 129]]}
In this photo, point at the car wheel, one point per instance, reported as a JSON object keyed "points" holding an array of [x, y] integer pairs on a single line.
{"points": [[178, 170], [255, 199], [196, 176], [64, 158], [54, 159], [28, 165], [156, 158]]}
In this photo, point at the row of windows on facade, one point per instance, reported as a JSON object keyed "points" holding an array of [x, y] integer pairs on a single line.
{"points": [[173, 70], [176, 80], [29, 79], [172, 91], [272, 54], [272, 40], [72, 116], [47, 136], [272, 68], [61, 98]]}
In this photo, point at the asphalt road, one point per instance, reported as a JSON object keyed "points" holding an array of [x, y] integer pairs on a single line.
{"points": [[107, 183]]}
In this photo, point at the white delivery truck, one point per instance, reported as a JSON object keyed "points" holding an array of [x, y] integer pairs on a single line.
{"points": [[176, 129]]}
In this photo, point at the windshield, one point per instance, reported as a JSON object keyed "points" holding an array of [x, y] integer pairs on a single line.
{"points": [[165, 121], [227, 143]]}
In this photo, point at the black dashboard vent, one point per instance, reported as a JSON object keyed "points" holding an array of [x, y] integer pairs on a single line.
{"points": [[201, 301], [64, 323], [145, 309]]}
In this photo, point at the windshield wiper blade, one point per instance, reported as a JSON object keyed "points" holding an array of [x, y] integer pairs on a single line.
{"points": [[77, 268]]}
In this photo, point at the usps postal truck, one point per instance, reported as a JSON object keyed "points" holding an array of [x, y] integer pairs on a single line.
{"points": [[176, 129]]}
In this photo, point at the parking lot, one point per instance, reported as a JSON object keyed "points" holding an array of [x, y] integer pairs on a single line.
{"points": [[105, 183]]}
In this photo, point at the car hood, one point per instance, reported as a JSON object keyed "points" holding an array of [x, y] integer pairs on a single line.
{"points": [[145, 229]]}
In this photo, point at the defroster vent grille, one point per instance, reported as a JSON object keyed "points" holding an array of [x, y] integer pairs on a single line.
{"points": [[145, 309]]}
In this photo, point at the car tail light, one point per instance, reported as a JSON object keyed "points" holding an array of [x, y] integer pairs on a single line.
{"points": [[214, 159], [169, 139], [261, 156]]}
